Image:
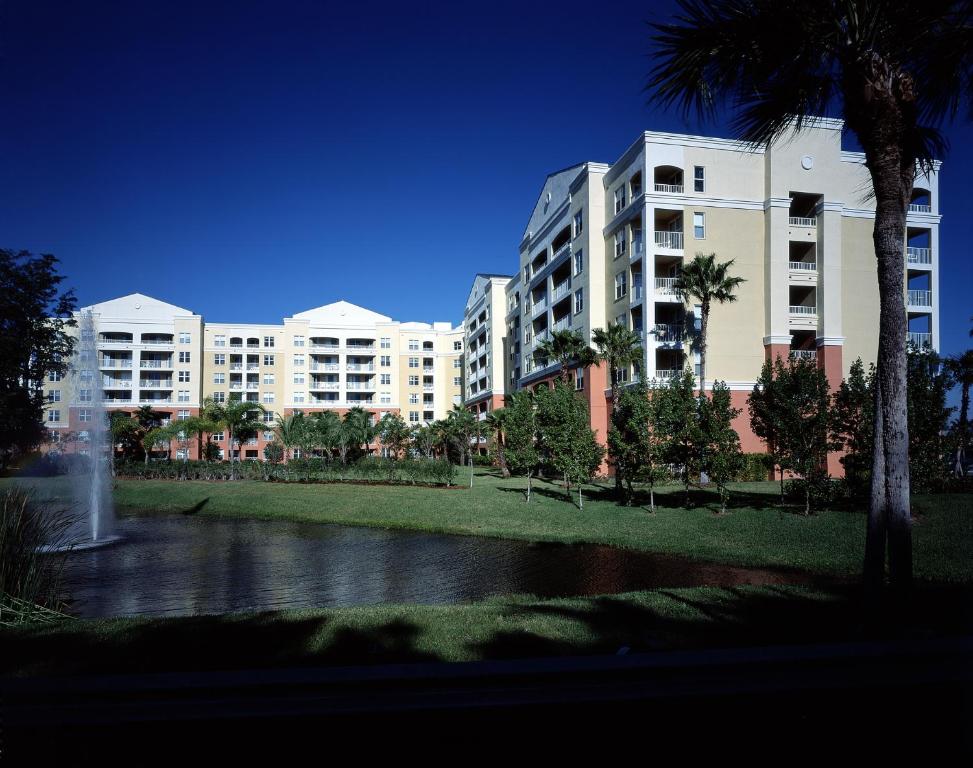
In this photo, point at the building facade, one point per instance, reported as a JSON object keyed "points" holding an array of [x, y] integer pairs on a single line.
{"points": [[605, 243], [334, 357]]}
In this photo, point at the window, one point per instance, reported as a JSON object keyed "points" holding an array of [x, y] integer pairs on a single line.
{"points": [[298, 397], [183, 395], [413, 381], [219, 397], [385, 398], [84, 436], [54, 396], [622, 320], [268, 398], [385, 378], [457, 381], [527, 274], [219, 378], [269, 341], [182, 415], [184, 338], [699, 226], [413, 362], [84, 395], [54, 415], [183, 377], [578, 223], [413, 398], [219, 341], [268, 359], [184, 357], [413, 345], [385, 342], [578, 300], [457, 346], [298, 361], [87, 376], [579, 379], [698, 317], [269, 378], [620, 199], [621, 285], [413, 417], [53, 376], [269, 417], [298, 378], [84, 414], [298, 341], [620, 242], [699, 179], [385, 361], [219, 359], [457, 363], [579, 262]]}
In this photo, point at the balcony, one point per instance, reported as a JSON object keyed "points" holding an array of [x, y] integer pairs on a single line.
{"points": [[920, 298], [356, 347], [112, 400], [636, 294], [666, 286], [671, 333], [665, 374], [253, 366], [802, 221], [154, 400], [804, 354], [117, 384], [803, 266], [428, 387], [672, 189], [327, 386], [155, 383], [236, 386], [360, 367], [236, 366], [108, 362], [920, 339], [665, 239], [918, 255], [358, 386], [539, 306], [155, 364], [428, 369], [802, 310], [563, 324], [325, 367], [252, 386], [157, 342], [561, 290], [919, 208], [325, 347]]}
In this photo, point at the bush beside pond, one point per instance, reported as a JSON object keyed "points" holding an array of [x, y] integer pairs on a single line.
{"points": [[371, 470]]}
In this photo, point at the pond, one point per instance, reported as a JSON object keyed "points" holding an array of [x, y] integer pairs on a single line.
{"points": [[184, 565]]}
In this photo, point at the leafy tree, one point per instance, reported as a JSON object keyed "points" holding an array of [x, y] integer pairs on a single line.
{"points": [[463, 426], [497, 421], [358, 429], [34, 341], [423, 440], [677, 423], [764, 415], [237, 417], [630, 440], [564, 426], [274, 452], [895, 71], [722, 457], [442, 434], [156, 438], [567, 347], [330, 434], [706, 281], [199, 426], [929, 448], [122, 428], [619, 348], [286, 429], [853, 408], [961, 369], [394, 434], [521, 435]]}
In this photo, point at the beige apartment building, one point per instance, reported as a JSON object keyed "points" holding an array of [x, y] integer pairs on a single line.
{"points": [[605, 243], [336, 357]]}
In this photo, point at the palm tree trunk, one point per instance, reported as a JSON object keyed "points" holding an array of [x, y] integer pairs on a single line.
{"points": [[703, 322], [875, 533]]}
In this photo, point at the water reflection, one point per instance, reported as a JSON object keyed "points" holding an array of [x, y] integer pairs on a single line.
{"points": [[173, 566]]}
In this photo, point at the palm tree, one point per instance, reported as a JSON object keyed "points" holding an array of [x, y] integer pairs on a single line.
{"points": [[895, 71], [497, 422], [566, 347], [359, 430], [331, 434], [199, 426], [464, 426], [286, 428], [236, 416], [704, 280], [619, 348], [961, 367], [442, 432], [121, 426]]}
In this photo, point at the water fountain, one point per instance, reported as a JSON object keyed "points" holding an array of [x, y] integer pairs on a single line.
{"points": [[91, 485]]}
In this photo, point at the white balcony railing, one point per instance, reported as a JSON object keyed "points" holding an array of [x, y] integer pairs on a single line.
{"points": [[802, 221], [236, 366], [107, 362], [669, 188], [360, 367], [918, 208], [358, 386], [325, 367], [803, 266], [326, 347], [155, 383], [664, 374], [804, 354], [328, 386], [561, 290], [562, 324], [920, 298], [252, 386], [668, 333], [157, 342], [801, 309], [253, 366], [918, 255], [117, 385], [666, 239], [666, 286], [539, 306], [155, 364], [236, 386], [920, 339]]}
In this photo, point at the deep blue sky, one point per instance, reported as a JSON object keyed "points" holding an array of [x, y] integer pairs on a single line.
{"points": [[284, 155]]}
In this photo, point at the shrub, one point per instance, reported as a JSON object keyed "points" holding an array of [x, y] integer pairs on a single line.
{"points": [[756, 467]]}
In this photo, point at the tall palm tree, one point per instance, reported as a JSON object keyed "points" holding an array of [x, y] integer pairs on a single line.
{"points": [[567, 347], [895, 71], [331, 434], [497, 422], [961, 367], [236, 416], [706, 281], [442, 432], [199, 426], [465, 427], [358, 428], [619, 348], [286, 428]]}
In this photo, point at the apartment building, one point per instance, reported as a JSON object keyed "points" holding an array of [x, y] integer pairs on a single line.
{"points": [[337, 356], [605, 243], [485, 386]]}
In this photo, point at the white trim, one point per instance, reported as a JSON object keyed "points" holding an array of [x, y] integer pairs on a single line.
{"points": [[776, 339], [830, 341]]}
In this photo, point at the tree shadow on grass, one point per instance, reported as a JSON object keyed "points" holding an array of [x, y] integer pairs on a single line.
{"points": [[198, 506]]}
